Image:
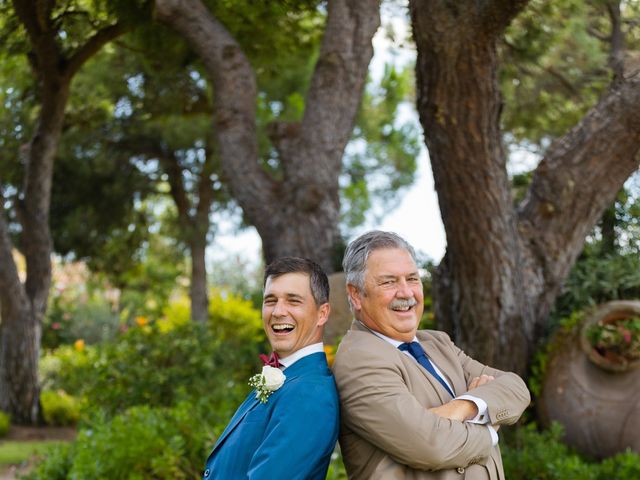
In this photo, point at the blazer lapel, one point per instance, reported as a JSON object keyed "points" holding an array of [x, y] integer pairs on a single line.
{"points": [[438, 359], [249, 404]]}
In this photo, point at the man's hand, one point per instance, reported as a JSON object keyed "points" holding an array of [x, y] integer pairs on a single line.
{"points": [[481, 380], [460, 410]]}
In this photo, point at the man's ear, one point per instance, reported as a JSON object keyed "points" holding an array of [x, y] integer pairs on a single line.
{"points": [[323, 314], [354, 296]]}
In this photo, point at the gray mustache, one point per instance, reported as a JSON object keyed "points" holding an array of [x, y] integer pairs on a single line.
{"points": [[403, 303]]}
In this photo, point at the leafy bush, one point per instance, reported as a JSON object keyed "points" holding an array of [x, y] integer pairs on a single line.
{"points": [[65, 368], [57, 463], [59, 408], [165, 362], [157, 395], [5, 423], [595, 280], [232, 317], [142, 442], [148, 367], [533, 455]]}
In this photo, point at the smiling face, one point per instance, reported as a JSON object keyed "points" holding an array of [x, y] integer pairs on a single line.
{"points": [[290, 316], [391, 302]]}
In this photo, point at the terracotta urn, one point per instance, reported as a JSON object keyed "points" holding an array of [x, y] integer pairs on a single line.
{"points": [[595, 397]]}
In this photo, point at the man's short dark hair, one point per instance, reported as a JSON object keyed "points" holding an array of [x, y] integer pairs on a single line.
{"points": [[318, 281]]}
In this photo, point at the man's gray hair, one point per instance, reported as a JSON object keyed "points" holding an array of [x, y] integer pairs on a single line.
{"points": [[355, 259]]}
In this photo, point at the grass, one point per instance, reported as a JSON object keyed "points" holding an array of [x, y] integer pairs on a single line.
{"points": [[13, 453]]}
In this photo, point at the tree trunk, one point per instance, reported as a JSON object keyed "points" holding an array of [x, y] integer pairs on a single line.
{"points": [[608, 228], [299, 214], [198, 289], [504, 265], [193, 216], [23, 306]]}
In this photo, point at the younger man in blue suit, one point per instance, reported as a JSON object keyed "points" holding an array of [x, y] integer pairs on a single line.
{"points": [[288, 426]]}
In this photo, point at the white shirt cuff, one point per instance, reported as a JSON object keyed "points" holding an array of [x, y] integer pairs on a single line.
{"points": [[482, 417], [494, 435]]}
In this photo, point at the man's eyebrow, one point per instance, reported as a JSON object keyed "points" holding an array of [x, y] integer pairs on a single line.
{"points": [[294, 296], [386, 277], [390, 276], [289, 296]]}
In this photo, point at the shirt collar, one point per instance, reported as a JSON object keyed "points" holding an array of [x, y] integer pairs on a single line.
{"points": [[392, 341], [303, 352]]}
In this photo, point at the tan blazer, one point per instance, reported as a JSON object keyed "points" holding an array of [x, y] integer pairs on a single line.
{"points": [[386, 431]]}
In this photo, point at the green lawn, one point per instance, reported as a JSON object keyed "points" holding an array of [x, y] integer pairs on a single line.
{"points": [[13, 453]]}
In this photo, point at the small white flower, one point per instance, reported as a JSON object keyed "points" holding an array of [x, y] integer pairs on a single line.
{"points": [[267, 382]]}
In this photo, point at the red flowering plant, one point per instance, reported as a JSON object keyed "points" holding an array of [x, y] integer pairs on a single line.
{"points": [[618, 341]]}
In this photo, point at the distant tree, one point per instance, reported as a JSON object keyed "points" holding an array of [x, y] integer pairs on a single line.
{"points": [[58, 40], [505, 264]]}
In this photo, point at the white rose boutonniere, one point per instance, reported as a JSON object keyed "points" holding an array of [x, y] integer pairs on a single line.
{"points": [[267, 382]]}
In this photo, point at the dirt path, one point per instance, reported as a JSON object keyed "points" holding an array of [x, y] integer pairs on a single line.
{"points": [[32, 434]]}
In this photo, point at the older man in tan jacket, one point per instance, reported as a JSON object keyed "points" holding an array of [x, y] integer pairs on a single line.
{"points": [[414, 406]]}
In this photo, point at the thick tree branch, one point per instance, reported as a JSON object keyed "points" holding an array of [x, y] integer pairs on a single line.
{"points": [[579, 177], [496, 15], [337, 85], [235, 97], [616, 55], [93, 45], [34, 15]]}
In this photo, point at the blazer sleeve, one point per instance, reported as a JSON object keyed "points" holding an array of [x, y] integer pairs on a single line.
{"points": [[507, 396], [301, 434], [378, 406]]}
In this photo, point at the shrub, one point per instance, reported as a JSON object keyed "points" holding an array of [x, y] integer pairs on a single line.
{"points": [[66, 367], [161, 365], [541, 455], [59, 408], [142, 442], [57, 463], [232, 317], [595, 280], [5, 423]]}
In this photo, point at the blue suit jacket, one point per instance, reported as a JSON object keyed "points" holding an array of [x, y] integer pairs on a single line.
{"points": [[292, 436]]}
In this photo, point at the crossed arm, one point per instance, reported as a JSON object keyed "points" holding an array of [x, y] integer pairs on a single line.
{"points": [[379, 407]]}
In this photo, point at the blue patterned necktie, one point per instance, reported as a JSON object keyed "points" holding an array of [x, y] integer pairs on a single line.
{"points": [[417, 352]]}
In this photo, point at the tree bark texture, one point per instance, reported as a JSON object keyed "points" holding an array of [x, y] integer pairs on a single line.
{"points": [[23, 305], [297, 214], [505, 264]]}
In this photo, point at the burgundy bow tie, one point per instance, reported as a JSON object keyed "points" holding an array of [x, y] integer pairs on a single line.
{"points": [[271, 360]]}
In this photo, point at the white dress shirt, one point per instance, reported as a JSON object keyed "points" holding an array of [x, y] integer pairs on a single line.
{"points": [[298, 354]]}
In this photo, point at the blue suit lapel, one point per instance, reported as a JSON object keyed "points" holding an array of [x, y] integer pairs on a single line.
{"points": [[249, 404], [315, 361]]}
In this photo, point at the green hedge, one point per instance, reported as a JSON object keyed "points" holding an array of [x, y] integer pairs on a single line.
{"points": [[530, 454], [140, 443]]}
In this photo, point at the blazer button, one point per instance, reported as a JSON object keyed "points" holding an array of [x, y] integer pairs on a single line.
{"points": [[206, 473], [460, 470]]}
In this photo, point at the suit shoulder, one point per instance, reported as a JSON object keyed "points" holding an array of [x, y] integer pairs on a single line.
{"points": [[437, 335]]}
